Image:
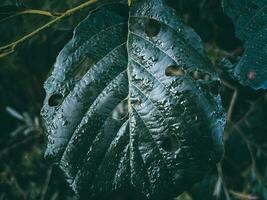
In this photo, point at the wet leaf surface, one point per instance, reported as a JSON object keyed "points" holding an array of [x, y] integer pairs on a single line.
{"points": [[249, 18], [129, 106]]}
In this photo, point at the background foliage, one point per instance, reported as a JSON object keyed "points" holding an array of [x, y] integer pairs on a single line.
{"points": [[24, 174]]}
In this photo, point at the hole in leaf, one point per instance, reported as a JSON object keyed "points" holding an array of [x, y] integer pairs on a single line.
{"points": [[170, 144], [55, 100], [152, 28], [174, 70], [198, 75]]}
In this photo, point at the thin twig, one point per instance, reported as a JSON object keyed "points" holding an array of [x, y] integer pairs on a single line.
{"points": [[250, 143], [15, 181], [220, 174], [18, 144], [30, 11], [7, 53], [10, 48], [218, 53], [250, 111], [233, 100], [243, 196], [46, 183], [247, 141]]}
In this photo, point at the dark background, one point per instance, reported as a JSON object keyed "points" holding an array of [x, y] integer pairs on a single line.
{"points": [[24, 174]]}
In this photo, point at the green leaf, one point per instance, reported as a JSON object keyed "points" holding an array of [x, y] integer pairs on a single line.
{"points": [[133, 104], [249, 18]]}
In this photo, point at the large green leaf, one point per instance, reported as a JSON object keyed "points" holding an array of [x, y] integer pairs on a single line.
{"points": [[133, 105], [250, 20]]}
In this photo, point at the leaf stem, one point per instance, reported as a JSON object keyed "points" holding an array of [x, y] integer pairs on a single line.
{"points": [[10, 48]]}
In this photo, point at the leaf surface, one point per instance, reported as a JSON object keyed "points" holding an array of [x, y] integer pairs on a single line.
{"points": [[133, 103], [250, 20]]}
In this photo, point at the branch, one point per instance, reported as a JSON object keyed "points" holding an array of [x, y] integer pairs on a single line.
{"points": [[14, 181], [221, 177], [249, 146], [233, 100], [30, 11], [10, 48], [240, 195], [28, 140]]}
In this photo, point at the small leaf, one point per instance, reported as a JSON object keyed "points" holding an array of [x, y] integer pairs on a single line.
{"points": [[249, 18]]}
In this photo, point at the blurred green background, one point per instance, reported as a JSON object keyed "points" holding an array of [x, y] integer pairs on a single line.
{"points": [[24, 174]]}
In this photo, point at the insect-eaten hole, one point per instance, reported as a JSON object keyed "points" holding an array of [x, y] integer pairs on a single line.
{"points": [[198, 75], [55, 99], [174, 70], [152, 27], [170, 144]]}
